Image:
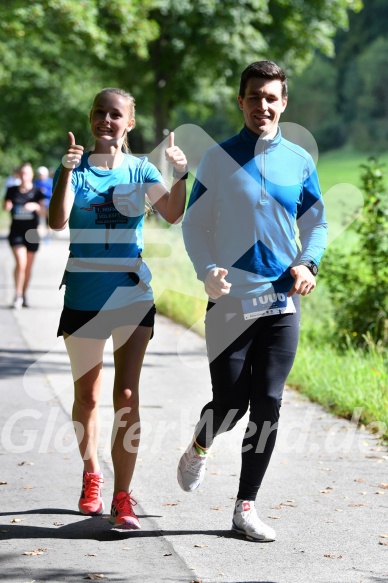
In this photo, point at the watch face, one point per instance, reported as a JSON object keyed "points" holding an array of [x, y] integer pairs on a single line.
{"points": [[311, 266]]}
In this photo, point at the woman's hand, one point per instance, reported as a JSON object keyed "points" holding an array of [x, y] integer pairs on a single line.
{"points": [[175, 156], [32, 207], [72, 158]]}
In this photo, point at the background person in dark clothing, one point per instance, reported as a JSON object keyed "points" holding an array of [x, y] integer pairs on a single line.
{"points": [[26, 203]]}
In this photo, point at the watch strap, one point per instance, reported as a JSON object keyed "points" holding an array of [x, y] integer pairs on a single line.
{"points": [[181, 175]]}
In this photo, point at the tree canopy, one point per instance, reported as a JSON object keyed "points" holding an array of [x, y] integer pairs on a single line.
{"points": [[56, 54], [347, 93]]}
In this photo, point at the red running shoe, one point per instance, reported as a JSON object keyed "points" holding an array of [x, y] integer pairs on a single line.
{"points": [[90, 501], [122, 514]]}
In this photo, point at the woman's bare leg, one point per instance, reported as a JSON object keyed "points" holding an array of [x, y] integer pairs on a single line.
{"points": [[129, 345], [20, 255], [86, 356]]}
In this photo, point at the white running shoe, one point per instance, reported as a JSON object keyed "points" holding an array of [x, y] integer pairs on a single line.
{"points": [[17, 303], [191, 469], [246, 521]]}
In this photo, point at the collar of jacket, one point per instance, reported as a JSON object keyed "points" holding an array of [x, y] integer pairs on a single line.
{"points": [[259, 144]]}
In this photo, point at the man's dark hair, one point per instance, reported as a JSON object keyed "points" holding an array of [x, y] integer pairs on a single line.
{"points": [[263, 70]]}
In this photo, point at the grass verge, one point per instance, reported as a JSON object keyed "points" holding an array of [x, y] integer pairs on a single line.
{"points": [[344, 382]]}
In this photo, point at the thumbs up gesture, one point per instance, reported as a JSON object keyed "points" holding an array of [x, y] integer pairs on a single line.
{"points": [[175, 156], [72, 158]]}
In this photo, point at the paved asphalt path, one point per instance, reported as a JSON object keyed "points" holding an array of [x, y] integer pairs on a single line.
{"points": [[324, 490]]}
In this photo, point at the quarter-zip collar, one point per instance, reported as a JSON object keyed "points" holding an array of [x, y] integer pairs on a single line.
{"points": [[260, 144]]}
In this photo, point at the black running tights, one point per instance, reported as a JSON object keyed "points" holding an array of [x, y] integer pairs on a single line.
{"points": [[249, 363]]}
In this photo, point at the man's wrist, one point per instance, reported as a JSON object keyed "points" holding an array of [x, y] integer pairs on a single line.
{"points": [[311, 266]]}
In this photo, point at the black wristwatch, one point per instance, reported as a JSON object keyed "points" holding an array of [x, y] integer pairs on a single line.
{"points": [[313, 267], [181, 175]]}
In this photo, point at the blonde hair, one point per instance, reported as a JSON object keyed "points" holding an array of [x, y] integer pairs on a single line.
{"points": [[131, 108]]}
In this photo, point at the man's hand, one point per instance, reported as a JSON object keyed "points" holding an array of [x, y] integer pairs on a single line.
{"points": [[175, 156], [304, 282], [215, 284], [72, 158]]}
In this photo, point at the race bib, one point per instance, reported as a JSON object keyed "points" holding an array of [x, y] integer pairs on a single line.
{"points": [[21, 214], [267, 304]]}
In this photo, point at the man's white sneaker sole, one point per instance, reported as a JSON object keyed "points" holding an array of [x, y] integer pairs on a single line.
{"points": [[257, 539], [245, 521]]}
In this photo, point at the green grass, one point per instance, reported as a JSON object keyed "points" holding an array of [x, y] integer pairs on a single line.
{"points": [[344, 382], [342, 166], [4, 220]]}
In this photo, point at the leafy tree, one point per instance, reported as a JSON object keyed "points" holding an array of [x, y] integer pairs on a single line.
{"points": [[54, 55], [53, 58], [369, 80], [313, 103], [358, 281], [202, 47]]}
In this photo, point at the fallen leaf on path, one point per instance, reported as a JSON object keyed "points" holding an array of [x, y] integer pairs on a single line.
{"points": [[384, 486], [3, 483], [274, 517], [35, 552], [17, 520], [383, 535], [359, 480], [170, 504], [216, 508], [383, 543], [91, 555], [215, 473], [332, 556], [288, 504], [58, 523], [94, 576], [325, 491], [26, 464], [356, 505], [379, 492], [167, 555], [201, 546], [28, 487]]}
